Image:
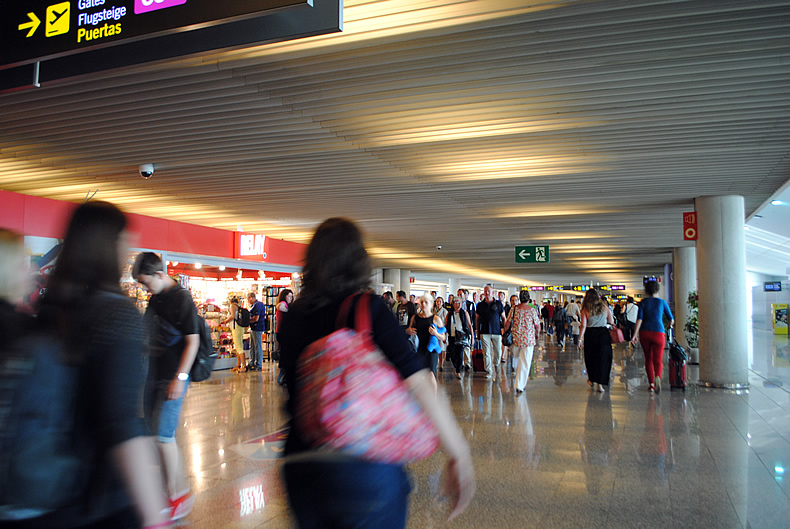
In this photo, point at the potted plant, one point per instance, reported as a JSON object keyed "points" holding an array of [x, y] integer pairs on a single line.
{"points": [[691, 327]]}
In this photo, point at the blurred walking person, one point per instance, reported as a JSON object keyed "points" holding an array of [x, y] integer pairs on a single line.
{"points": [[102, 335], [325, 489]]}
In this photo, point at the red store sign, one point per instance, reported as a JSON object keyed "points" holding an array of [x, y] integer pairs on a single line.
{"points": [[690, 226]]}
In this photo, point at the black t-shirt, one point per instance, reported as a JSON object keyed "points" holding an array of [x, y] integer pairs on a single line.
{"points": [[302, 325], [490, 316], [177, 310], [405, 312], [470, 308]]}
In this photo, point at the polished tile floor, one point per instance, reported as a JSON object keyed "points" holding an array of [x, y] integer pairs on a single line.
{"points": [[556, 456]]}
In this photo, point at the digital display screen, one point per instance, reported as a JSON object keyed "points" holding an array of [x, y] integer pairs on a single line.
{"points": [[36, 29], [772, 286]]}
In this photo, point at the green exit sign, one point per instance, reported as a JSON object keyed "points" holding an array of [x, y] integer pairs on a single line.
{"points": [[532, 254]]}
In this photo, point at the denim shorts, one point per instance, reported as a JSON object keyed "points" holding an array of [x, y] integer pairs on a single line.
{"points": [[162, 414]]}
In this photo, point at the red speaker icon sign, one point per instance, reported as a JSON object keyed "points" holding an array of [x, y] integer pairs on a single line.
{"points": [[690, 226]]}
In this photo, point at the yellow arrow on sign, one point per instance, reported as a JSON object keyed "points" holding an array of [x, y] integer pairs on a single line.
{"points": [[32, 25]]}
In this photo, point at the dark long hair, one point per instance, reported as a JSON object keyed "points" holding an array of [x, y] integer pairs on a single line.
{"points": [[87, 264], [283, 295], [336, 262], [89, 260]]}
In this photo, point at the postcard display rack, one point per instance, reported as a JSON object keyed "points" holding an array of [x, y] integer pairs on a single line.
{"points": [[270, 340]]}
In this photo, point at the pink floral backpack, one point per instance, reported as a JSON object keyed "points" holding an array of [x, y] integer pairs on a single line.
{"points": [[353, 401]]}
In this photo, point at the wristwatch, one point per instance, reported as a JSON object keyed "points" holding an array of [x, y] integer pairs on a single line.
{"points": [[183, 377]]}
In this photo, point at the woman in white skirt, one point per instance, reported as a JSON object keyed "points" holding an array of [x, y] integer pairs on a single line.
{"points": [[524, 322]]}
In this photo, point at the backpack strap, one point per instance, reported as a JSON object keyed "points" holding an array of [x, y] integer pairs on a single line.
{"points": [[362, 323]]}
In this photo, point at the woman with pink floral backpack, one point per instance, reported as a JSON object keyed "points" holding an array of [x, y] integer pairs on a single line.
{"points": [[330, 481]]}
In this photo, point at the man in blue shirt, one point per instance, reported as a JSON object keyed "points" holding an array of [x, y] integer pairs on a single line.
{"points": [[257, 326]]}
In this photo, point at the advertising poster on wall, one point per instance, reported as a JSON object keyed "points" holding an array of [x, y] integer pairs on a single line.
{"points": [[779, 311]]}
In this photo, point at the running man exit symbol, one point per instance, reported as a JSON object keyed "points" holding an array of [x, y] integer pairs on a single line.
{"points": [[532, 254], [58, 16]]}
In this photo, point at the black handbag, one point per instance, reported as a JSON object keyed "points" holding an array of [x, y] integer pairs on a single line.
{"points": [[507, 338], [463, 338]]}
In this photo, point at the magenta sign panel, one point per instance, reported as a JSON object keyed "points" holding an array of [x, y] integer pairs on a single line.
{"points": [[144, 6]]}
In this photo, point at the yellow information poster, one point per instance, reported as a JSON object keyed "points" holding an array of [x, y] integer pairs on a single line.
{"points": [[779, 311]]}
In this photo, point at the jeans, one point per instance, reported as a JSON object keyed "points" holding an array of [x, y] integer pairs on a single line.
{"points": [[455, 352], [256, 348], [559, 328], [348, 494]]}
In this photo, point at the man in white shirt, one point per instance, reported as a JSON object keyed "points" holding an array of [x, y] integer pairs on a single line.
{"points": [[631, 313]]}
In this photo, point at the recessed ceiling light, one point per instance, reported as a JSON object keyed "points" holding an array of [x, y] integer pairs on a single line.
{"points": [[758, 216], [222, 268], [776, 202], [198, 265]]}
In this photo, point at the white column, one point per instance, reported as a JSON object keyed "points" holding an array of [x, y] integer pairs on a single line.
{"points": [[721, 273], [443, 291], [392, 276], [405, 284], [684, 264], [455, 284]]}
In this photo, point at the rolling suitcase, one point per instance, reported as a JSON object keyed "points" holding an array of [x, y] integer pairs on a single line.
{"points": [[478, 363], [677, 366]]}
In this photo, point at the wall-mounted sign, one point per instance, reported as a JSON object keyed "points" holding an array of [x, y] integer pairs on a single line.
{"points": [[38, 29], [772, 286], [250, 247], [582, 288], [532, 254], [690, 226], [618, 287]]}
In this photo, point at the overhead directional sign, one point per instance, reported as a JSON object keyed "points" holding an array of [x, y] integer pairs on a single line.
{"points": [[39, 29], [532, 254]]}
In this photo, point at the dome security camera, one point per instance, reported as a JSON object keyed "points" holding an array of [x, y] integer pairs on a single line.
{"points": [[439, 247], [147, 170]]}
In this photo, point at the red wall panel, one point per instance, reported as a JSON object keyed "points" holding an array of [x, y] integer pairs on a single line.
{"points": [[45, 217]]}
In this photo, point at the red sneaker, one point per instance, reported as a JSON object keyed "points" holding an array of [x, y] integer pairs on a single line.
{"points": [[181, 506]]}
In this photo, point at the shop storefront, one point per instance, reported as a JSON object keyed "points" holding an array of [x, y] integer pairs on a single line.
{"points": [[214, 265]]}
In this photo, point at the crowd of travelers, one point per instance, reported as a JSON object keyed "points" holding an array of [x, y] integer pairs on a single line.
{"points": [[103, 358]]}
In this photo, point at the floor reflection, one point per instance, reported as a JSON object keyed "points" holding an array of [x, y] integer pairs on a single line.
{"points": [[558, 455]]}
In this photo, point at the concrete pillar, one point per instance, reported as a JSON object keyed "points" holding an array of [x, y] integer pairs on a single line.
{"points": [[443, 291], [377, 276], [455, 284], [721, 274], [684, 264], [392, 276], [405, 284]]}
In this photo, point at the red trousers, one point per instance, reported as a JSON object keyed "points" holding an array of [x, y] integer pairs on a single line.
{"points": [[653, 344]]}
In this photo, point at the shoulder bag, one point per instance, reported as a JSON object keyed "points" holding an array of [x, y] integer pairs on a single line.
{"points": [[353, 401]]}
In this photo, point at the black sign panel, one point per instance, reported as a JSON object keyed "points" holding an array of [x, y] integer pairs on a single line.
{"points": [[772, 286], [35, 29]]}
